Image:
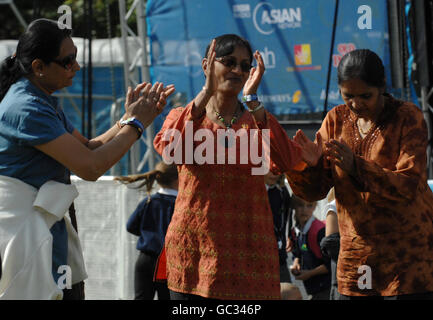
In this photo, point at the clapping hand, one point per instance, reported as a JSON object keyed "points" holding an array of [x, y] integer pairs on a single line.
{"points": [[255, 76], [209, 66], [340, 154], [311, 151], [146, 102]]}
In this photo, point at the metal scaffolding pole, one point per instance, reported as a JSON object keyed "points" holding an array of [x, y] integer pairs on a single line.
{"points": [[131, 75], [16, 11]]}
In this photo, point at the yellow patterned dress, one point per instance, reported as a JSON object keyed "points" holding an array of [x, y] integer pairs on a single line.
{"points": [[221, 243]]}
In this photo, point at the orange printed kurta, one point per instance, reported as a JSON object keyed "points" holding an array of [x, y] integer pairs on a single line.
{"points": [[220, 242], [385, 211]]}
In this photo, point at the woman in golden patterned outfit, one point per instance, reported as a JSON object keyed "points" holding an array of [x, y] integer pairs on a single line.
{"points": [[372, 149]]}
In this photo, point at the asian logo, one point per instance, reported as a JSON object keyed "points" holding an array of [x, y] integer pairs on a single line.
{"points": [[266, 18]]}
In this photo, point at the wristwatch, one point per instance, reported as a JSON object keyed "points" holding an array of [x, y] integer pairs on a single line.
{"points": [[133, 122]]}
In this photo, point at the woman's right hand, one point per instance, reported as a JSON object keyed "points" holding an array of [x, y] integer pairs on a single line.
{"points": [[203, 97], [311, 151], [211, 82], [146, 102]]}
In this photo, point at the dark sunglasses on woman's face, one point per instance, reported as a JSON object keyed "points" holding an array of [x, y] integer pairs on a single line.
{"points": [[231, 62], [68, 61]]}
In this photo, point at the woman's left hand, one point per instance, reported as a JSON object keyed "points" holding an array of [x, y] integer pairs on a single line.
{"points": [[133, 94], [255, 76], [161, 93], [340, 154]]}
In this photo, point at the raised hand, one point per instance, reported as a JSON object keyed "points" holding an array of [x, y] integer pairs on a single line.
{"points": [[166, 92], [146, 102], [133, 94], [255, 76], [311, 151], [209, 67]]}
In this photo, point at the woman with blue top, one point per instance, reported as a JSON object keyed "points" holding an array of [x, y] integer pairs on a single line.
{"points": [[40, 253], [150, 221]]}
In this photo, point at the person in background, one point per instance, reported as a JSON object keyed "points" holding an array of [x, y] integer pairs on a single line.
{"points": [[372, 150], [149, 222], [39, 147], [279, 200], [330, 244], [309, 264]]}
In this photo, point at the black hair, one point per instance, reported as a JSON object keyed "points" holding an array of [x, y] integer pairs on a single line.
{"points": [[41, 40], [362, 64], [164, 174], [226, 44], [299, 202]]}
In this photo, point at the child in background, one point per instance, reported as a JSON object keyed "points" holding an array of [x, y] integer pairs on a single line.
{"points": [[309, 264], [150, 221], [279, 200], [330, 244]]}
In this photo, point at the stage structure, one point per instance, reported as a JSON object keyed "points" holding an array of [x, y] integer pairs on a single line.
{"points": [[423, 66], [136, 71], [300, 82], [15, 11], [412, 58]]}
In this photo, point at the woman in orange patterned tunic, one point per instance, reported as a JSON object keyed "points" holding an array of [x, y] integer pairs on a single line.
{"points": [[374, 153], [220, 243]]}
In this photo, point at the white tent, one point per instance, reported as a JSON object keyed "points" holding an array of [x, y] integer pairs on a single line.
{"points": [[101, 56]]}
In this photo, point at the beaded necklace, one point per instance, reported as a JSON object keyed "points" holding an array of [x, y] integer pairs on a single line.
{"points": [[228, 125], [227, 142]]}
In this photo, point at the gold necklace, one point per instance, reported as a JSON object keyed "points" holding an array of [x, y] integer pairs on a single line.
{"points": [[362, 131]]}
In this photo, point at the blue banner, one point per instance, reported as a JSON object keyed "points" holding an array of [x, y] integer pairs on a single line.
{"points": [[294, 38]]}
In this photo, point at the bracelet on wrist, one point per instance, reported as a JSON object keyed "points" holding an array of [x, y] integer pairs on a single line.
{"points": [[260, 106], [134, 122], [118, 122], [249, 98]]}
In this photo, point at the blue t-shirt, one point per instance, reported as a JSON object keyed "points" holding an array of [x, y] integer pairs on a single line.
{"points": [[150, 221], [29, 117]]}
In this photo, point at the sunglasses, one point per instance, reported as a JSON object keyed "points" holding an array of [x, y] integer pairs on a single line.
{"points": [[231, 62], [67, 62]]}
